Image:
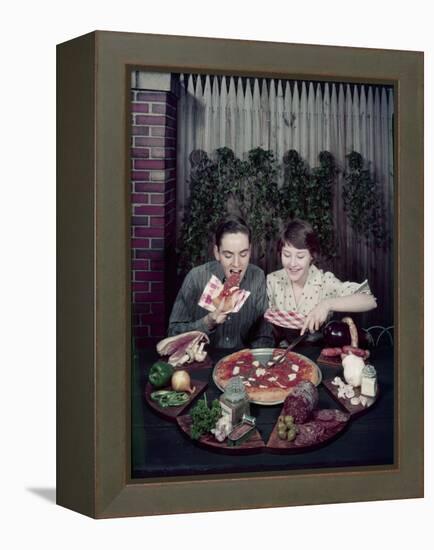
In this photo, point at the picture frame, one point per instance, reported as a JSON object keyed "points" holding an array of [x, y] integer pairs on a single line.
{"points": [[94, 311]]}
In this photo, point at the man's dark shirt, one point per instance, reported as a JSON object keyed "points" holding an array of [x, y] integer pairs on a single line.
{"points": [[246, 328]]}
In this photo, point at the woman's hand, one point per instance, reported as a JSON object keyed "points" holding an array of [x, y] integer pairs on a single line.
{"points": [[316, 317]]}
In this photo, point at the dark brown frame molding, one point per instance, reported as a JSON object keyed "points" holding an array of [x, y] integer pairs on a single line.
{"points": [[93, 342]]}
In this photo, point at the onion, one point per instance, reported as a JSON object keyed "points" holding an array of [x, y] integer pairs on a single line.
{"points": [[181, 381]]}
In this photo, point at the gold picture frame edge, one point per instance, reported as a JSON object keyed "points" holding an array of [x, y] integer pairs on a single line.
{"points": [[92, 381]]}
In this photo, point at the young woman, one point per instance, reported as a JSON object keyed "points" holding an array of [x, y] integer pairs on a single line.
{"points": [[302, 288]]}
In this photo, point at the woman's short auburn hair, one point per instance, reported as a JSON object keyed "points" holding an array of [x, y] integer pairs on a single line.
{"points": [[300, 234]]}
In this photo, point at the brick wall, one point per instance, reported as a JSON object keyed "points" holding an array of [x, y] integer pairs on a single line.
{"points": [[153, 198]]}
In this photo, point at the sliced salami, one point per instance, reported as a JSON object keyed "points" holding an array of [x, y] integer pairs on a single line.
{"points": [[301, 402], [309, 434], [324, 414]]}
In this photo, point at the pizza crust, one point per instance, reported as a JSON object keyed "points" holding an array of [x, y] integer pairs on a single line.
{"points": [[288, 375]]}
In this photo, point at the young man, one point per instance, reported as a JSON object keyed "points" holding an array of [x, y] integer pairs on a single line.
{"points": [[247, 327]]}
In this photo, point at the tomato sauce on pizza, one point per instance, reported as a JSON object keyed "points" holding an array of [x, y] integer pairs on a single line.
{"points": [[266, 384]]}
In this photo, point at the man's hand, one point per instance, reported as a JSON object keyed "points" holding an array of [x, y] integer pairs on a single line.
{"points": [[218, 317], [316, 317]]}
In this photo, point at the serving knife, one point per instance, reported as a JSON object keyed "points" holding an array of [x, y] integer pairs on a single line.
{"points": [[289, 348]]}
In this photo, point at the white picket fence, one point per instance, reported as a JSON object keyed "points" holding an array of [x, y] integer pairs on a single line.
{"points": [[243, 113]]}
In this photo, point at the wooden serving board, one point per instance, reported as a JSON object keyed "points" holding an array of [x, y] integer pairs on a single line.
{"points": [[280, 446], [329, 361], [170, 413], [353, 410], [205, 364], [254, 445]]}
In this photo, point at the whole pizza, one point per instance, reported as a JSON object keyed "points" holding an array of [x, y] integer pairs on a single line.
{"points": [[265, 382]]}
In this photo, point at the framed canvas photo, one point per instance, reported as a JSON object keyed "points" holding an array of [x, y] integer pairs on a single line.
{"points": [[162, 138]]}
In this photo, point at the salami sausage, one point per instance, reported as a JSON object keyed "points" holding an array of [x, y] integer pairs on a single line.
{"points": [[325, 423], [309, 434], [363, 353], [331, 352], [330, 419], [301, 401]]}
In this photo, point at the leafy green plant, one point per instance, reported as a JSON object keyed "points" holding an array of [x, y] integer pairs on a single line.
{"points": [[203, 417], [363, 202], [309, 195], [258, 197], [204, 206], [293, 193], [228, 185]]}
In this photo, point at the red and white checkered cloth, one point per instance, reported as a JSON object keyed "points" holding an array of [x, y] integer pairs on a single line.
{"points": [[213, 289], [286, 319]]}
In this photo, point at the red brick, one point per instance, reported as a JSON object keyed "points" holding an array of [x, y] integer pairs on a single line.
{"points": [[159, 153], [164, 109], [140, 220], [140, 243], [156, 210], [139, 199], [159, 108], [158, 175], [157, 307], [149, 276], [142, 152], [140, 130], [157, 243], [151, 187], [149, 296], [141, 164], [140, 287], [140, 108], [171, 122], [150, 142], [157, 286], [159, 131], [150, 254], [157, 198], [152, 164], [156, 265], [142, 308], [141, 175], [152, 96], [150, 120], [149, 232], [147, 319], [157, 221], [140, 264]]}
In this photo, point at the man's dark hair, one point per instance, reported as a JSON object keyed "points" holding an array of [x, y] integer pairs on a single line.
{"points": [[233, 224], [301, 235]]}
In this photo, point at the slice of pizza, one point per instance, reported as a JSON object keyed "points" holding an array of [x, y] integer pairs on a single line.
{"points": [[229, 292]]}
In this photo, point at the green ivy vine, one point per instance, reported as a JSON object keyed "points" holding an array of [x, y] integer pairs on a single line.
{"points": [[309, 195], [363, 202], [249, 188]]}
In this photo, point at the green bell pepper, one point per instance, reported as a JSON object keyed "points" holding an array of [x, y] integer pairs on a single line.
{"points": [[160, 374]]}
